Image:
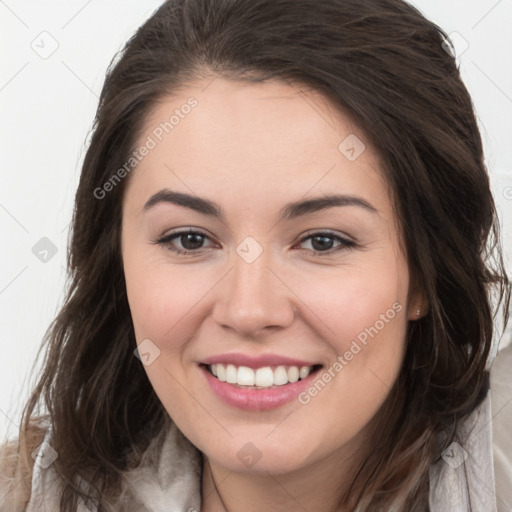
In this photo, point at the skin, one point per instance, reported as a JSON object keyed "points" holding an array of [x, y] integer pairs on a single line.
{"points": [[252, 148]]}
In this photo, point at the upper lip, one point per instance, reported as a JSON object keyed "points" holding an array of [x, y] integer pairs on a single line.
{"points": [[260, 361]]}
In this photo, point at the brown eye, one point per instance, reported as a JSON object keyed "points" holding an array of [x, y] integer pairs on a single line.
{"points": [[327, 242], [184, 242], [191, 241]]}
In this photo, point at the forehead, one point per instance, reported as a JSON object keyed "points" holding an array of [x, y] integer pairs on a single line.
{"points": [[255, 141]]}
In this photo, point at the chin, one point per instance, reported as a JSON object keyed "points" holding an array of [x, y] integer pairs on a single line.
{"points": [[245, 456]]}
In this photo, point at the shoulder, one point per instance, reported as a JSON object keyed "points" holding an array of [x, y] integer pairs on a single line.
{"points": [[16, 468], [501, 403]]}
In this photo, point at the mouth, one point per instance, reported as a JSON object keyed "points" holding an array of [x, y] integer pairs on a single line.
{"points": [[265, 377], [258, 382]]}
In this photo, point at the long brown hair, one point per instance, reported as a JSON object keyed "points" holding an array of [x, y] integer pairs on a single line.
{"points": [[385, 64]]}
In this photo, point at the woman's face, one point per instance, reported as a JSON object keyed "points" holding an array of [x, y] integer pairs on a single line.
{"points": [[293, 265]]}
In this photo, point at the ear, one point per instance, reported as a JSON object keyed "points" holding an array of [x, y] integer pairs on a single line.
{"points": [[418, 305]]}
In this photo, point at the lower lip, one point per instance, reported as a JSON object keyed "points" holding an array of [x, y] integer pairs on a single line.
{"points": [[256, 399]]}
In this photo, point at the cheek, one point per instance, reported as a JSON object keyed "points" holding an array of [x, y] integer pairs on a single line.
{"points": [[164, 302], [367, 356], [356, 304], [362, 317], [164, 305]]}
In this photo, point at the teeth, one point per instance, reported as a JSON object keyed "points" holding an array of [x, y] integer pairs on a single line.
{"points": [[280, 376], [265, 377], [245, 376], [303, 372], [293, 374], [231, 375], [221, 373]]}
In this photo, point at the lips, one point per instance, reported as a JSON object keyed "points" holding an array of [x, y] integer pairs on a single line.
{"points": [[257, 382], [255, 362]]}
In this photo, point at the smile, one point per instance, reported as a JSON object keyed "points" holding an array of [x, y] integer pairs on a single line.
{"points": [[259, 378], [257, 383]]}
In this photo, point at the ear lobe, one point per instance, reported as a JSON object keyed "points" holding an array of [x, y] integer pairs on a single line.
{"points": [[418, 306]]}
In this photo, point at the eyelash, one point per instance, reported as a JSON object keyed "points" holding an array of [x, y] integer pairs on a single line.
{"points": [[344, 242]]}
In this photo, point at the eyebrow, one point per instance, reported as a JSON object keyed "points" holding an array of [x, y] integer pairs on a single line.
{"points": [[288, 212]]}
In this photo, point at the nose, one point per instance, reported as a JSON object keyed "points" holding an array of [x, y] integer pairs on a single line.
{"points": [[253, 298]]}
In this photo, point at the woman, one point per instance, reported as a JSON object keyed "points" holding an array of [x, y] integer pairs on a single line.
{"points": [[283, 257]]}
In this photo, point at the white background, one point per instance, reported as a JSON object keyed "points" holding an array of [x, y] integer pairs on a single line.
{"points": [[47, 107]]}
